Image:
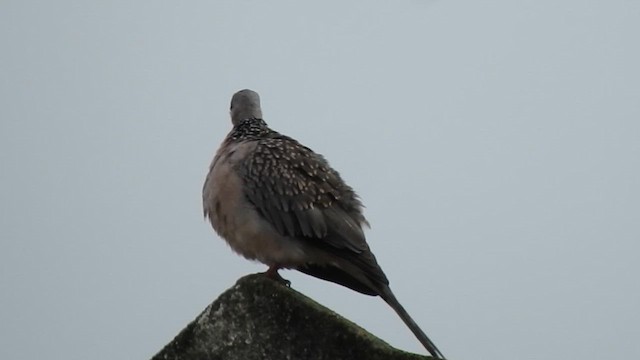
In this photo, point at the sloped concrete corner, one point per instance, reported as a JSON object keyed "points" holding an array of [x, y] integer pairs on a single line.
{"points": [[260, 319]]}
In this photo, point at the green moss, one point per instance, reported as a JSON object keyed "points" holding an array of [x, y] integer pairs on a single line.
{"points": [[260, 319]]}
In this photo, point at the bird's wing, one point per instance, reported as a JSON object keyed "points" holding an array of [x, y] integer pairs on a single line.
{"points": [[297, 191]]}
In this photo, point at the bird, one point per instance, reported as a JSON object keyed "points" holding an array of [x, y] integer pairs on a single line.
{"points": [[278, 202]]}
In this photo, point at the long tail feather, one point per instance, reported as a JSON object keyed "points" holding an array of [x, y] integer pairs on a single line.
{"points": [[390, 299]]}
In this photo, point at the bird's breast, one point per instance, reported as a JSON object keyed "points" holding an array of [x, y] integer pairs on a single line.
{"points": [[236, 220]]}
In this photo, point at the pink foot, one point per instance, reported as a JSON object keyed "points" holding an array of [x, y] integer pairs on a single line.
{"points": [[272, 273]]}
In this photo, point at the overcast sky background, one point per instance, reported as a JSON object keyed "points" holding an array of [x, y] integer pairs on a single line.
{"points": [[496, 145]]}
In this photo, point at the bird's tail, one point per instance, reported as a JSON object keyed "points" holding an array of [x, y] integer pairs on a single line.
{"points": [[387, 295]]}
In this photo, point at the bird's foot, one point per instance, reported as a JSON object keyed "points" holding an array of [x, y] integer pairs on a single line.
{"points": [[272, 273]]}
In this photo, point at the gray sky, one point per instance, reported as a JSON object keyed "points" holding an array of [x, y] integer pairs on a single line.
{"points": [[495, 145]]}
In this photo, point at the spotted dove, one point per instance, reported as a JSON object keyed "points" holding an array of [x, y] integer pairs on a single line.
{"points": [[276, 201]]}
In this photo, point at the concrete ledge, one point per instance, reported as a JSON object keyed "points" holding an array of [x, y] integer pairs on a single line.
{"points": [[260, 319]]}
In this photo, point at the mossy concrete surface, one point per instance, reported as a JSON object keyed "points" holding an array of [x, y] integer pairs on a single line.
{"points": [[259, 318]]}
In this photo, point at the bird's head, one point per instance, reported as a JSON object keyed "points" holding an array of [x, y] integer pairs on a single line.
{"points": [[245, 104]]}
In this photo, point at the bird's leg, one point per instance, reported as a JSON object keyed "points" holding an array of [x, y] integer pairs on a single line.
{"points": [[272, 273]]}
